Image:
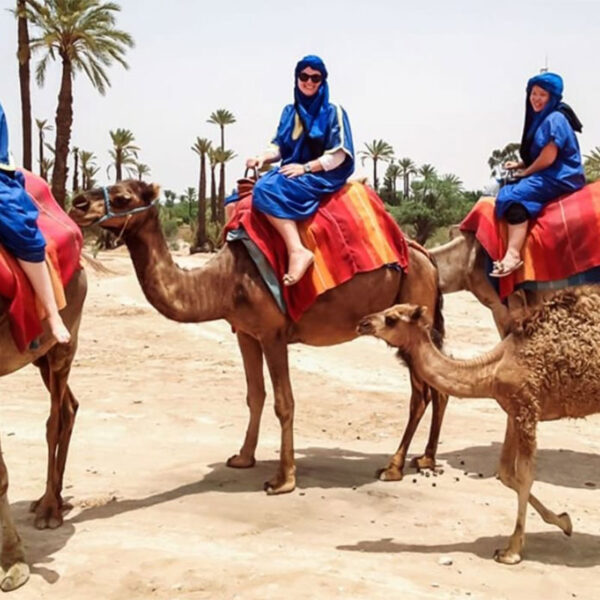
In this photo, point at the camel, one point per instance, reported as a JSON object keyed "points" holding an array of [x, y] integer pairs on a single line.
{"points": [[54, 362], [547, 368], [229, 287]]}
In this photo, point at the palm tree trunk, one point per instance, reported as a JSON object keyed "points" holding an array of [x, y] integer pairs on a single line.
{"points": [[375, 174], [41, 159], [201, 229], [76, 172], [406, 186], [64, 122], [24, 55], [222, 137], [213, 195], [221, 203]]}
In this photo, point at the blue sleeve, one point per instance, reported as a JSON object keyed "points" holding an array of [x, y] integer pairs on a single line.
{"points": [[554, 128], [285, 123], [339, 134]]}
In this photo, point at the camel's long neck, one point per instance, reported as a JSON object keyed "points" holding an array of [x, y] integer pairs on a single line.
{"points": [[471, 378], [182, 295], [452, 260]]}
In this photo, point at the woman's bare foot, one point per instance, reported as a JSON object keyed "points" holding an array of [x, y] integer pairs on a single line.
{"points": [[59, 330], [300, 260]]}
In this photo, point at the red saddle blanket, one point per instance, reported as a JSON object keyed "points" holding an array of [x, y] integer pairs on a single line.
{"points": [[350, 233], [562, 242], [63, 250]]}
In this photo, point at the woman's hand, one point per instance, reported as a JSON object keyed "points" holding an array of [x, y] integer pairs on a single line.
{"points": [[255, 162], [509, 165], [292, 170]]}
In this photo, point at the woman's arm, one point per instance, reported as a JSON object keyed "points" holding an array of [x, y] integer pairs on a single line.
{"points": [[326, 162], [546, 157]]}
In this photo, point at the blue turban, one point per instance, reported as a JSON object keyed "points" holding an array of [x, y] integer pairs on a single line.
{"points": [[313, 110], [553, 84], [3, 139]]}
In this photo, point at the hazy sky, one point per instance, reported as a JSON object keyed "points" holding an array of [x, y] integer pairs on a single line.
{"points": [[442, 81]]}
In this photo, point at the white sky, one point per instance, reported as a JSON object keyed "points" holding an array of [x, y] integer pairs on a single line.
{"points": [[442, 81]]}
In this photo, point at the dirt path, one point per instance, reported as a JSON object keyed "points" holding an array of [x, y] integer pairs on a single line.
{"points": [[158, 515]]}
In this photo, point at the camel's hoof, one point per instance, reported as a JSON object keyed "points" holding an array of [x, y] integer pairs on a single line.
{"points": [[237, 461], [422, 462], [507, 557], [15, 577], [48, 521], [274, 487], [389, 474], [565, 523]]}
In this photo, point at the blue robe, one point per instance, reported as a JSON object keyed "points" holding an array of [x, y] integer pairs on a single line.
{"points": [[297, 198], [19, 232], [563, 176]]}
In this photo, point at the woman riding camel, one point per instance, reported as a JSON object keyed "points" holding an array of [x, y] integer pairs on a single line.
{"points": [[314, 143], [551, 164], [20, 235]]}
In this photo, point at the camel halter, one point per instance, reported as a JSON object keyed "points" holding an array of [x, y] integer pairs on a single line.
{"points": [[109, 214]]}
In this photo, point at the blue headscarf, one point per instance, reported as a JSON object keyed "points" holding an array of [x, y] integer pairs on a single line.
{"points": [[313, 110], [553, 84], [4, 160]]}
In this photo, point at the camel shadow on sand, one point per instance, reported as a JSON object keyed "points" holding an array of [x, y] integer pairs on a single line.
{"points": [[327, 468], [551, 548], [565, 468], [40, 545]]}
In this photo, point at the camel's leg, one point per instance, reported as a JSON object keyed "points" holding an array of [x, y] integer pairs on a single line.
{"points": [[516, 472], [276, 355], [14, 572], [439, 402], [55, 368], [252, 356], [419, 398]]}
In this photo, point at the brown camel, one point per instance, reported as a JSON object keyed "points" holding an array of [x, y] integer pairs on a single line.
{"points": [[229, 287], [548, 368], [54, 362]]}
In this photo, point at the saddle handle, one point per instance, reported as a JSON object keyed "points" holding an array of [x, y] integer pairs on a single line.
{"points": [[254, 171]]}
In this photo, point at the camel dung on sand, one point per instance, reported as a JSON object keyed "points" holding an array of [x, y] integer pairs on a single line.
{"points": [[230, 287], [548, 368]]}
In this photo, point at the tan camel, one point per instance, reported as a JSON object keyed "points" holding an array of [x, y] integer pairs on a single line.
{"points": [[54, 362], [229, 287], [548, 368]]}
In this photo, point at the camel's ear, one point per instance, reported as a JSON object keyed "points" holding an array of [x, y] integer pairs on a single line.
{"points": [[150, 191], [417, 313]]}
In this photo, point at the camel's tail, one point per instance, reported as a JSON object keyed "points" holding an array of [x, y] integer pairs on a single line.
{"points": [[98, 266]]}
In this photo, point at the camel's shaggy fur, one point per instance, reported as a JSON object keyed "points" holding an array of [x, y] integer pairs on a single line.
{"points": [[547, 368]]}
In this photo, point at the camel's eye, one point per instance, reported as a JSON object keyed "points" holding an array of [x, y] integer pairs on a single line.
{"points": [[390, 321], [121, 201]]}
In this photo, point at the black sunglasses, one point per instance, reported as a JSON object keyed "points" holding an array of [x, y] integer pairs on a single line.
{"points": [[314, 78]]}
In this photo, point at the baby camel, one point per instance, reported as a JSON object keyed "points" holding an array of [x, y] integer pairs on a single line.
{"points": [[547, 368]]}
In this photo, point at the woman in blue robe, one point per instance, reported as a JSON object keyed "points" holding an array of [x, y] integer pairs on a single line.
{"points": [[551, 164], [20, 235], [314, 143]]}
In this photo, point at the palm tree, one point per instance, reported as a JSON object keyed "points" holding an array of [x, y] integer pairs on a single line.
{"points": [[201, 148], [407, 168], [221, 157], [377, 150], [429, 175], [88, 168], [42, 127], [24, 56], [124, 152], [189, 197], [222, 117], [45, 167], [500, 156], [592, 165], [213, 185], [392, 173], [83, 34], [141, 170], [75, 168]]}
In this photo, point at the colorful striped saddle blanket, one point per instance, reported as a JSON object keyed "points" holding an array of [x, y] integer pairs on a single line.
{"points": [[562, 246], [63, 250], [350, 233]]}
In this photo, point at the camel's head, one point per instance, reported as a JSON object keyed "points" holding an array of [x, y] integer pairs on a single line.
{"points": [[395, 325], [116, 207]]}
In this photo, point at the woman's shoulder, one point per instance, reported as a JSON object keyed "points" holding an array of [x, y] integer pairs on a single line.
{"points": [[557, 119]]}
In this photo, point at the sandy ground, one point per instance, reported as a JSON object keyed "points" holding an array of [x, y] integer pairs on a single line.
{"points": [[157, 514]]}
